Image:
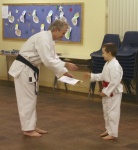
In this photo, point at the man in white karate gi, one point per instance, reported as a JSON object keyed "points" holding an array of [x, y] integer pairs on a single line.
{"points": [[40, 48], [111, 93]]}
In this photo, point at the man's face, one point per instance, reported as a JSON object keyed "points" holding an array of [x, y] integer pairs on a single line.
{"points": [[59, 34]]}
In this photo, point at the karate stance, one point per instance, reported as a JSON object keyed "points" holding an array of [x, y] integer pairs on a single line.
{"points": [[40, 48], [112, 90]]}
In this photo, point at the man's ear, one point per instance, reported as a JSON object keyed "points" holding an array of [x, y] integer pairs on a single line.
{"points": [[56, 29]]}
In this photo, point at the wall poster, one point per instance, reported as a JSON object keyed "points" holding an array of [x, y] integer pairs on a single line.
{"points": [[24, 20]]}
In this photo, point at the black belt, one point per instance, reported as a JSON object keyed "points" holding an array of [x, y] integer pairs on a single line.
{"points": [[35, 69]]}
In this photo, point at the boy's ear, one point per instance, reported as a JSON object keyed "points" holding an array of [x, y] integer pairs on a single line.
{"points": [[110, 53]]}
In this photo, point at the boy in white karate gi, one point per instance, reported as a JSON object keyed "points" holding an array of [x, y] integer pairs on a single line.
{"points": [[111, 93], [40, 48]]}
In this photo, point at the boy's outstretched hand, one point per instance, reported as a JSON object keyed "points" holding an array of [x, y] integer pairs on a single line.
{"points": [[87, 76]]}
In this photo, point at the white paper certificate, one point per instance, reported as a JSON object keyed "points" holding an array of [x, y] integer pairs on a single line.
{"points": [[68, 80], [4, 11]]}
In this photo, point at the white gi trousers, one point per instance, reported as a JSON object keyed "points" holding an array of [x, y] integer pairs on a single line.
{"points": [[26, 100], [111, 112]]}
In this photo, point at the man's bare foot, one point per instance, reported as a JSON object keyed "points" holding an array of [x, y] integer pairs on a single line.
{"points": [[40, 131], [104, 134], [32, 133], [109, 137]]}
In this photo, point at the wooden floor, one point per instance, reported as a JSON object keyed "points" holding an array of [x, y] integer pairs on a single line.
{"points": [[73, 122]]}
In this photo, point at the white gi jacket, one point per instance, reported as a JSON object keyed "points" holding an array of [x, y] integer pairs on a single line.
{"points": [[112, 73], [38, 49]]}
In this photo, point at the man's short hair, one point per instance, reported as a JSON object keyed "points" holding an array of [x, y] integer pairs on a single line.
{"points": [[58, 24]]}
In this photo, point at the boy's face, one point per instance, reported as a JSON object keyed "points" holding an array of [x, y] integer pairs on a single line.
{"points": [[106, 56]]}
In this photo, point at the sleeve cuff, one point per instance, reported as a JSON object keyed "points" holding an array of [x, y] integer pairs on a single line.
{"points": [[64, 70], [92, 77]]}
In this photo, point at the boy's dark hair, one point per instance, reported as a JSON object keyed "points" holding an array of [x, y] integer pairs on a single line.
{"points": [[110, 47]]}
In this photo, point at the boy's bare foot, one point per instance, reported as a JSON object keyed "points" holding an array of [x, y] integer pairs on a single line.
{"points": [[32, 133], [40, 131], [104, 134]]}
